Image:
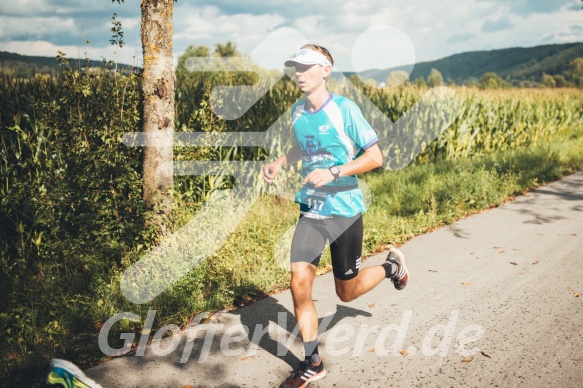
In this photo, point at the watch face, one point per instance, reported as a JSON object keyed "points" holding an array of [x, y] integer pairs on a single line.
{"points": [[334, 170]]}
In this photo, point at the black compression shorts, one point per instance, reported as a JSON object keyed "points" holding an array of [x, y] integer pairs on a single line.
{"points": [[344, 235]]}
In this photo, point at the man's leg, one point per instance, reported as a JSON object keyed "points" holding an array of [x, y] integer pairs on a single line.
{"points": [[394, 268], [346, 235], [306, 250], [366, 280], [302, 279], [312, 368], [307, 246]]}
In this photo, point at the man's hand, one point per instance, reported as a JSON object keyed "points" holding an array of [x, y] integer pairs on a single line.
{"points": [[319, 177], [270, 170]]}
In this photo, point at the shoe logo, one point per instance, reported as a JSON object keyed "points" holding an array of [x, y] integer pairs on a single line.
{"points": [[323, 129], [349, 272], [308, 375]]}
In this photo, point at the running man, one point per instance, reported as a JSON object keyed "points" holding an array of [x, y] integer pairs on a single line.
{"points": [[334, 143]]}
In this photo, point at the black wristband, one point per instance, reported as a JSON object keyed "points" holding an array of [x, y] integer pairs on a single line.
{"points": [[335, 171]]}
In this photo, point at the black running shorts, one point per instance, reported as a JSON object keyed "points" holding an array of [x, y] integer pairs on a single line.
{"points": [[344, 235]]}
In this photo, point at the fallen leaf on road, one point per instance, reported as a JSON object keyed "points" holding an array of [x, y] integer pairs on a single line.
{"points": [[576, 295], [394, 304], [432, 270], [513, 263], [246, 358], [573, 234], [372, 350], [404, 352], [535, 262], [579, 360], [484, 354], [496, 247], [468, 359], [466, 283], [188, 386], [371, 305], [501, 251]]}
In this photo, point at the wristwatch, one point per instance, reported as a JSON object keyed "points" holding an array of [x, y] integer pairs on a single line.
{"points": [[335, 171]]}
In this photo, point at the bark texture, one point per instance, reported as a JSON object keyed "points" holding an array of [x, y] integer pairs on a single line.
{"points": [[158, 87]]}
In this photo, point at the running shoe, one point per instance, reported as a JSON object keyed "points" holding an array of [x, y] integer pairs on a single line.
{"points": [[68, 375], [400, 278], [303, 374]]}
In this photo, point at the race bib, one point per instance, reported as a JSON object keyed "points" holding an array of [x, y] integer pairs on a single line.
{"points": [[314, 203]]}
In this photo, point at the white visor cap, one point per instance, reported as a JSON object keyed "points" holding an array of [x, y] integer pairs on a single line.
{"points": [[308, 57]]}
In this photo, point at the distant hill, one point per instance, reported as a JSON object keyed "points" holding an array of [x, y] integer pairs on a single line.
{"points": [[26, 66], [513, 64]]}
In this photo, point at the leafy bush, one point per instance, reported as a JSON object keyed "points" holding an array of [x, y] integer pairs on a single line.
{"points": [[70, 203]]}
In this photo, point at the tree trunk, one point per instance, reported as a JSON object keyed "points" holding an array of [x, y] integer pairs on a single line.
{"points": [[158, 87]]}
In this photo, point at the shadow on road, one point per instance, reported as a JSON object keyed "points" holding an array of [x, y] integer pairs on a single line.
{"points": [[258, 316]]}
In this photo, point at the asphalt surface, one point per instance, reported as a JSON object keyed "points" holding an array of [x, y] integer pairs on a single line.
{"points": [[493, 301]]}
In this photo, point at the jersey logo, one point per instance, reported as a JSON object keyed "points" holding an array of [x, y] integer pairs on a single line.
{"points": [[323, 129]]}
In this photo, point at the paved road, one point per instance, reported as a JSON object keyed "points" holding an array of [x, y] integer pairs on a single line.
{"points": [[493, 301]]}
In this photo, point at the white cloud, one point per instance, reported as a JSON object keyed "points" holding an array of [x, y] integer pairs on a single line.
{"points": [[381, 48], [310, 25], [437, 29], [209, 22], [500, 24], [24, 8], [462, 37], [34, 27]]}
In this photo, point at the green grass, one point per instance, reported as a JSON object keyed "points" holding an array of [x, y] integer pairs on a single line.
{"points": [[422, 197]]}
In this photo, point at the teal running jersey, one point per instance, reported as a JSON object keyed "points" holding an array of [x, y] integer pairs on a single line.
{"points": [[335, 134]]}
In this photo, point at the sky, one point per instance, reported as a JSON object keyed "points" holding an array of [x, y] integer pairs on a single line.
{"points": [[361, 35]]}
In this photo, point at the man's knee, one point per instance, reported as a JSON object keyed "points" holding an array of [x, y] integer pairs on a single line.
{"points": [[344, 290], [344, 296], [301, 287]]}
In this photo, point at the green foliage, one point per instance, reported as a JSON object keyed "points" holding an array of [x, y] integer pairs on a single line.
{"points": [[117, 32], [577, 72], [70, 205], [420, 82], [491, 80], [434, 78], [228, 49], [197, 66], [560, 81], [397, 77], [548, 81]]}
